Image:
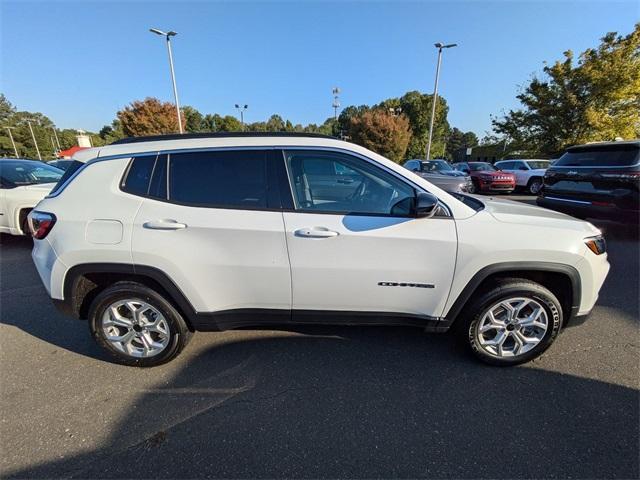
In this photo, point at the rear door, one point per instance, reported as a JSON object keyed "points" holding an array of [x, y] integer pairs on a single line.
{"points": [[363, 252], [212, 222]]}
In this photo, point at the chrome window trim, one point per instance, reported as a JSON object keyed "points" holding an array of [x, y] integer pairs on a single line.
{"points": [[156, 152]]}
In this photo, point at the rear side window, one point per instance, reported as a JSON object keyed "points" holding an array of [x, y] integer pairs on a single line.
{"points": [[600, 156], [224, 179], [138, 176]]}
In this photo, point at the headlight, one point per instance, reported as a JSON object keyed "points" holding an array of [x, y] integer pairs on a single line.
{"points": [[596, 244]]}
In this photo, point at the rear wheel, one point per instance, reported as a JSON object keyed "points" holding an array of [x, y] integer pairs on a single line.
{"points": [[512, 322], [137, 326], [534, 185]]}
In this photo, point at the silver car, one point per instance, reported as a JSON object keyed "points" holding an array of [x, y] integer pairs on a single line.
{"points": [[441, 174]]}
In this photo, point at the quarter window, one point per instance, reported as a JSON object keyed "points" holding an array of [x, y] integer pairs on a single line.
{"points": [[139, 175], [233, 178], [331, 182]]}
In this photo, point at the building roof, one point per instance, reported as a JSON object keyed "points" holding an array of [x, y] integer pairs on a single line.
{"points": [[68, 153]]}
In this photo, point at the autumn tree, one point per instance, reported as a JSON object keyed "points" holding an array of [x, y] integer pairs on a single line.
{"points": [[148, 117], [384, 133], [594, 98]]}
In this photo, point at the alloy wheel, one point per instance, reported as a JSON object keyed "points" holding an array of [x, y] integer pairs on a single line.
{"points": [[512, 327], [135, 328]]}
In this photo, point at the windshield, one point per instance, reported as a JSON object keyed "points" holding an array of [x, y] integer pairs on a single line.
{"points": [[600, 156], [436, 166], [482, 167], [538, 164], [28, 173]]}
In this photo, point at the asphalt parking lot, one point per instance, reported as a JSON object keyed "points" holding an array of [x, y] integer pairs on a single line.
{"points": [[318, 402]]}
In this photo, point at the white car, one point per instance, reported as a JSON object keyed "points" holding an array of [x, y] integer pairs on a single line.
{"points": [[529, 173], [23, 183], [155, 238]]}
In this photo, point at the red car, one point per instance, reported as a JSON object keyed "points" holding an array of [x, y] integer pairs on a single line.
{"points": [[487, 178]]}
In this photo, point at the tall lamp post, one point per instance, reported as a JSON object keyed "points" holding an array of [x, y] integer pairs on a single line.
{"points": [[336, 102], [12, 141], [241, 109], [440, 47], [168, 36], [34, 140]]}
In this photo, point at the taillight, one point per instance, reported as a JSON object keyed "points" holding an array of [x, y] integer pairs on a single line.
{"points": [[621, 175], [41, 223]]}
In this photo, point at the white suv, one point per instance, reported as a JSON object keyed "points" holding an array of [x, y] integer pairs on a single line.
{"points": [[529, 173], [155, 238]]}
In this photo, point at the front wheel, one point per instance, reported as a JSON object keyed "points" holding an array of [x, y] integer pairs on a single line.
{"points": [[512, 322], [137, 326]]}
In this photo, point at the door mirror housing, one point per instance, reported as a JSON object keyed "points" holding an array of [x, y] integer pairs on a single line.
{"points": [[425, 205]]}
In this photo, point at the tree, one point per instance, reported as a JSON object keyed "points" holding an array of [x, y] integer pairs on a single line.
{"points": [[382, 132], [596, 98], [148, 117], [458, 141], [275, 124], [193, 120]]}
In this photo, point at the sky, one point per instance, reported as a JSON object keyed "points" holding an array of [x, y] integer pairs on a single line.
{"points": [[80, 62]]}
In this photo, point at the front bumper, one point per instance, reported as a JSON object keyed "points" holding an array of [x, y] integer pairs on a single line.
{"points": [[496, 186]]}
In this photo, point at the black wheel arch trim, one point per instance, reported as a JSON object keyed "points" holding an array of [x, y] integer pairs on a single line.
{"points": [[505, 267], [70, 304]]}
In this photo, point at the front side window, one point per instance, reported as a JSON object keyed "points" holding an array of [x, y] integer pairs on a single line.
{"points": [[330, 182], [223, 179]]}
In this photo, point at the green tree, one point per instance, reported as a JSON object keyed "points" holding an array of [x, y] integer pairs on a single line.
{"points": [[148, 117], [386, 134], [194, 121], [594, 98], [459, 141]]}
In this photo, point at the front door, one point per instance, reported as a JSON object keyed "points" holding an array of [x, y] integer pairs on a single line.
{"points": [[353, 245]]}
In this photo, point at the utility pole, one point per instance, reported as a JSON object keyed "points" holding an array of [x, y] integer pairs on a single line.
{"points": [[439, 46], [34, 140], [12, 142]]}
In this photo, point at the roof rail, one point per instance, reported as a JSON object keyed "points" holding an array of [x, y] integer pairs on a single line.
{"points": [[186, 136]]}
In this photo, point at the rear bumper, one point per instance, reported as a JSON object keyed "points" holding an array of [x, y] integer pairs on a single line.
{"points": [[585, 209]]}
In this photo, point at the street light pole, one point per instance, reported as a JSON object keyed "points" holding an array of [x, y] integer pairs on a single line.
{"points": [[439, 46], [12, 142], [34, 140], [55, 134], [168, 36], [241, 109]]}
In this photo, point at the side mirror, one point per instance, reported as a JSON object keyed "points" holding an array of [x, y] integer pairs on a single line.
{"points": [[425, 205], [415, 169]]}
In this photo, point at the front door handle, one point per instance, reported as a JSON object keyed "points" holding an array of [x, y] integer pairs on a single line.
{"points": [[316, 232], [166, 224]]}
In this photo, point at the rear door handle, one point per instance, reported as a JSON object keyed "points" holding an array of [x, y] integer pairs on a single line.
{"points": [[166, 224], [316, 232]]}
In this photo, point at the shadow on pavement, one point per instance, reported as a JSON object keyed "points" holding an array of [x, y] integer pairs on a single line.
{"points": [[364, 403]]}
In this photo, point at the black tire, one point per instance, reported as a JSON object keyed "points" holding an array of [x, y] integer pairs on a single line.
{"points": [[466, 326], [476, 186], [534, 185], [179, 334]]}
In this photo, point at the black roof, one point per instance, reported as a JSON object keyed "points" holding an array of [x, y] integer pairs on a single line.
{"points": [[184, 136], [613, 145]]}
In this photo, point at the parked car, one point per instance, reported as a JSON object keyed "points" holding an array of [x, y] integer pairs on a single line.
{"points": [[598, 180], [441, 173], [487, 178], [155, 238], [528, 173], [61, 164], [23, 183]]}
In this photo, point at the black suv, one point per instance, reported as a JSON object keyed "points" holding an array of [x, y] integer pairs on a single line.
{"points": [[598, 180]]}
